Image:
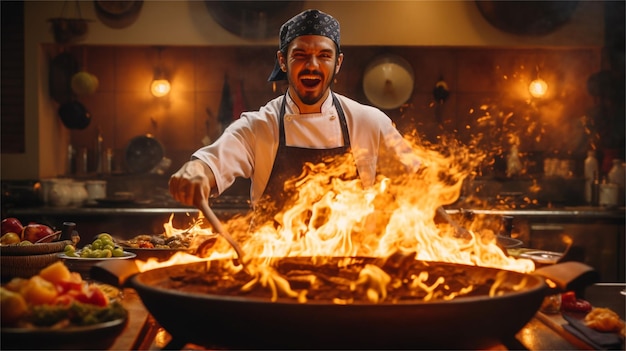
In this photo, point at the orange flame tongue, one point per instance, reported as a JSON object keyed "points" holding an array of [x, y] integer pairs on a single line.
{"points": [[335, 216]]}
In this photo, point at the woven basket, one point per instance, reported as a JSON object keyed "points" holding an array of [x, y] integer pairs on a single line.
{"points": [[35, 249], [25, 266]]}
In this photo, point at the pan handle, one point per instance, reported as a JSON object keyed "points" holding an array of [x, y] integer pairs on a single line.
{"points": [[114, 272], [568, 276]]}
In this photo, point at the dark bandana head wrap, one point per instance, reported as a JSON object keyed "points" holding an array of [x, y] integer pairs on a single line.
{"points": [[309, 22]]}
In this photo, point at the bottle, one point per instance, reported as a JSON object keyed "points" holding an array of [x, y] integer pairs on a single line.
{"points": [[595, 190], [98, 152], [616, 176], [81, 162], [70, 160], [591, 169], [607, 196]]}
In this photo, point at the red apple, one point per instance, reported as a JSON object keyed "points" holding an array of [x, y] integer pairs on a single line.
{"points": [[11, 225], [35, 231]]}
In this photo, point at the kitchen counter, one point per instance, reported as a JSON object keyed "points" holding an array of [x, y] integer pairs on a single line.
{"points": [[597, 232], [566, 211], [543, 332], [571, 211]]}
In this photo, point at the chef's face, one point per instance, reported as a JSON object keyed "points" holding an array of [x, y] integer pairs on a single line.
{"points": [[311, 64]]}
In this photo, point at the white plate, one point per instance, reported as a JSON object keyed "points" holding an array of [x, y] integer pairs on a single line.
{"points": [[127, 255], [83, 265]]}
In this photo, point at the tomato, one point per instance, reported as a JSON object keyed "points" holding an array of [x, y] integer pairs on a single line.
{"points": [[64, 300], [65, 286], [570, 303], [569, 296], [146, 245], [93, 295]]}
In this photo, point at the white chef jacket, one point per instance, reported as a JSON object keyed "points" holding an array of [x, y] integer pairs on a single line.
{"points": [[247, 147]]}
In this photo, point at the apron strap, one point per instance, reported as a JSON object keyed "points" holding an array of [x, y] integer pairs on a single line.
{"points": [[342, 121]]}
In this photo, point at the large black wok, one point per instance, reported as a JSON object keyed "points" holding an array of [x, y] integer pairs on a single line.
{"points": [[246, 322]]}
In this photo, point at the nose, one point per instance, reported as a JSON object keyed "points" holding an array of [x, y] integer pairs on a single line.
{"points": [[312, 61]]}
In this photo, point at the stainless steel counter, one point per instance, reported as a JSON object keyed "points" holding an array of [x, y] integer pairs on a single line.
{"points": [[574, 211], [577, 211]]}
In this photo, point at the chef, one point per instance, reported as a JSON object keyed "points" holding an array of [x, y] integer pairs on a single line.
{"points": [[305, 124]]}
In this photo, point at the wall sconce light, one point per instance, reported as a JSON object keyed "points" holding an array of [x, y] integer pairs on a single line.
{"points": [[538, 87], [160, 85]]}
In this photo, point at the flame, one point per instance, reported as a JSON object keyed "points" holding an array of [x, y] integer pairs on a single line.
{"points": [[333, 214]]}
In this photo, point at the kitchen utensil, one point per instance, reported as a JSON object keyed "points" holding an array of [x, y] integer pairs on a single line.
{"points": [[68, 29], [388, 81], [461, 323], [143, 153], [49, 237], [458, 230], [118, 14], [62, 67], [217, 225], [74, 115]]}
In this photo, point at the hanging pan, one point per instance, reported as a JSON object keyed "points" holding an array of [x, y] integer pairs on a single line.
{"points": [[388, 81]]}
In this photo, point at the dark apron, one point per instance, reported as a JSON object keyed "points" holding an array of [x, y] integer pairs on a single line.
{"points": [[289, 162]]}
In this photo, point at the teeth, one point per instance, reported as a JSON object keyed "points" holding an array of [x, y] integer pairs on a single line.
{"points": [[309, 77]]}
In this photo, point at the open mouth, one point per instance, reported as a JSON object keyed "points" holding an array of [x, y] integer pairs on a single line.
{"points": [[310, 81]]}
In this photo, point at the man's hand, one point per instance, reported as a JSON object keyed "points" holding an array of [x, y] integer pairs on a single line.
{"points": [[192, 183]]}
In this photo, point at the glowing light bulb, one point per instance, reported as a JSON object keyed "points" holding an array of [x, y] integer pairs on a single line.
{"points": [[160, 87], [538, 88]]}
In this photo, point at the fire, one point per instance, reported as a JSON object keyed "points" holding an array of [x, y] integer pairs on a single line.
{"points": [[334, 215]]}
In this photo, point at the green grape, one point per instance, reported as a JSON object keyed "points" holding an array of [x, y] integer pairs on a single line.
{"points": [[97, 244], [105, 236], [105, 239], [108, 247], [105, 253], [118, 252]]}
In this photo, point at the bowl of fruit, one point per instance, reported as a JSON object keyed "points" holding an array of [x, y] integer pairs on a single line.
{"points": [[56, 308], [102, 248], [25, 249]]}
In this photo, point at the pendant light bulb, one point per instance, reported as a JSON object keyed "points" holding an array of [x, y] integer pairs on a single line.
{"points": [[160, 87], [538, 88]]}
